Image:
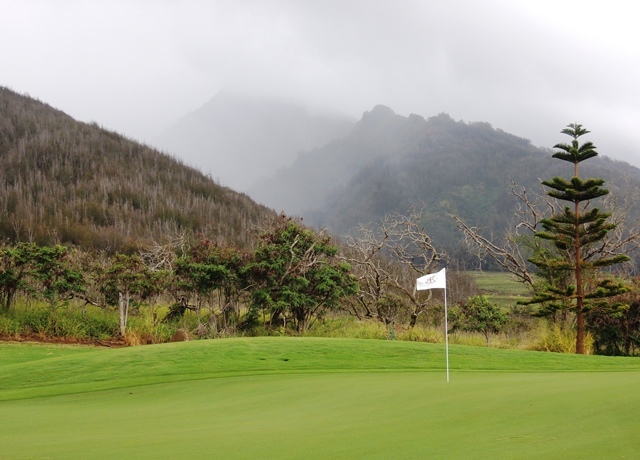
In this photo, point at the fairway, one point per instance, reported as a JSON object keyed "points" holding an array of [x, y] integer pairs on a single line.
{"points": [[315, 398], [500, 287]]}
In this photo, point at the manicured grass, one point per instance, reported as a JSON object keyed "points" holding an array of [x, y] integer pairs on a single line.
{"points": [[498, 283], [102, 369], [20, 352], [316, 398]]}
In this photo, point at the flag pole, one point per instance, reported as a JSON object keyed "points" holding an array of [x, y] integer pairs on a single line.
{"points": [[437, 281], [446, 332]]}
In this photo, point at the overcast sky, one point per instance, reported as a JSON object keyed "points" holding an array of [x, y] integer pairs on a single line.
{"points": [[527, 67]]}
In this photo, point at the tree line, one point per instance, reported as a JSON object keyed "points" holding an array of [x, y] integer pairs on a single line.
{"points": [[292, 278]]}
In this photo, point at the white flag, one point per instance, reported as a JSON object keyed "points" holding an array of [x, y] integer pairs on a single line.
{"points": [[432, 281]]}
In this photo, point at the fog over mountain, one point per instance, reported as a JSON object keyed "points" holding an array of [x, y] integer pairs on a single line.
{"points": [[304, 186], [237, 139], [76, 182], [527, 67], [390, 163]]}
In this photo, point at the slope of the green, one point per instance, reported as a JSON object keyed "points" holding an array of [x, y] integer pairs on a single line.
{"points": [[316, 398], [127, 367], [16, 352]]}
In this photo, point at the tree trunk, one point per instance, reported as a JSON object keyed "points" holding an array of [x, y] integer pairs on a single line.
{"points": [[580, 331], [275, 317], [579, 292], [413, 320], [123, 306], [9, 299]]}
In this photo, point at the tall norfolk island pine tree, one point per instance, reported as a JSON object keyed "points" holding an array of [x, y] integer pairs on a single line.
{"points": [[575, 233]]}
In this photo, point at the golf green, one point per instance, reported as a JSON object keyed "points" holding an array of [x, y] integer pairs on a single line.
{"points": [[320, 409]]}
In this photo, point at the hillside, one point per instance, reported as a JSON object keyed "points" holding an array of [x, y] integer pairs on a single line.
{"points": [[315, 174], [388, 163], [238, 139], [76, 183]]}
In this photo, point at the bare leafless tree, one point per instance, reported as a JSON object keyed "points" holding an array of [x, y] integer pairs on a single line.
{"points": [[159, 256], [510, 252], [625, 215], [376, 275], [387, 258]]}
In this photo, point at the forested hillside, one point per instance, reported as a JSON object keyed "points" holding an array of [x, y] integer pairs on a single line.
{"points": [[68, 182], [389, 163], [75, 183]]}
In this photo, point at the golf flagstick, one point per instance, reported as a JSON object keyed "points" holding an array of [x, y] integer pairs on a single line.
{"points": [[438, 281]]}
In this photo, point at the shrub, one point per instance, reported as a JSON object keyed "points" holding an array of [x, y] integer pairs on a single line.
{"points": [[9, 326], [349, 327], [65, 324], [558, 338], [35, 321], [145, 330], [422, 334]]}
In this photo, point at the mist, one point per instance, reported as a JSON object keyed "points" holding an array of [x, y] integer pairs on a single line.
{"points": [[528, 68]]}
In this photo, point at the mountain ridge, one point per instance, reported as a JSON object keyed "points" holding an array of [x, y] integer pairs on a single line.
{"points": [[68, 181], [389, 163]]}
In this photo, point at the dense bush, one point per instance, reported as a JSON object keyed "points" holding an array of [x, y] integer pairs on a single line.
{"points": [[66, 324]]}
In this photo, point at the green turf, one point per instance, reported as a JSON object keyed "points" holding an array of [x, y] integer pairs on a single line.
{"points": [[317, 398], [18, 352], [499, 283], [500, 287]]}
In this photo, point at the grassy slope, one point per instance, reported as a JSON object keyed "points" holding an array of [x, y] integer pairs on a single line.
{"points": [[500, 287], [103, 369], [315, 398]]}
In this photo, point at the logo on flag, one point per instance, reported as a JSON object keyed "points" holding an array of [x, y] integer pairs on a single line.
{"points": [[432, 281]]}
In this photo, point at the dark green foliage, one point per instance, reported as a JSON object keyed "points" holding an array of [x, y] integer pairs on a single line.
{"points": [[570, 267], [59, 278], [216, 275], [297, 274], [127, 282], [249, 321], [15, 269], [294, 273], [575, 153], [616, 328], [176, 312], [479, 315], [615, 324], [576, 189], [49, 273], [127, 274]]}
